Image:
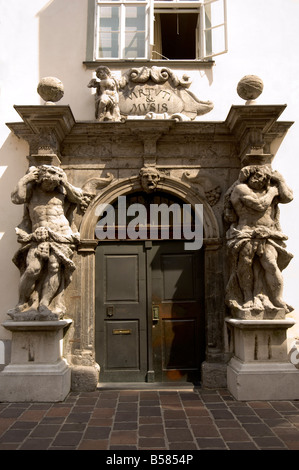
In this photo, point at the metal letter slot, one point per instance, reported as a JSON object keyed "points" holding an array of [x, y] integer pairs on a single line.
{"points": [[121, 332], [155, 312]]}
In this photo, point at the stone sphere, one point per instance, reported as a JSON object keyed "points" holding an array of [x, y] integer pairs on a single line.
{"points": [[50, 89], [250, 87]]}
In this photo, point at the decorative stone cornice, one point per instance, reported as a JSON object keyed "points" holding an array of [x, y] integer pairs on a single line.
{"points": [[251, 129], [43, 127], [255, 127]]}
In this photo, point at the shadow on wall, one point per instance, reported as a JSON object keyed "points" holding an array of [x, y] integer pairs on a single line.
{"points": [[13, 165], [62, 50]]}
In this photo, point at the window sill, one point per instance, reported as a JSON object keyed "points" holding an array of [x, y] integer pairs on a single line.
{"points": [[199, 64]]}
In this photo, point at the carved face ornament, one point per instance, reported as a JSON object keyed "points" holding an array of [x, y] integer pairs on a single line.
{"points": [[50, 177], [103, 72], [258, 180], [149, 179]]}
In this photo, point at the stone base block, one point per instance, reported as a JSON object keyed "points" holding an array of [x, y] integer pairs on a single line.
{"points": [[84, 378], [213, 375], [35, 383], [37, 371], [262, 380]]}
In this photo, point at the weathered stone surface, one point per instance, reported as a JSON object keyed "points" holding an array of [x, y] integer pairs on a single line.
{"points": [[50, 89], [213, 375], [250, 87], [106, 98], [37, 371], [259, 368], [84, 378], [154, 93], [149, 178], [256, 243], [197, 161], [48, 238], [157, 93]]}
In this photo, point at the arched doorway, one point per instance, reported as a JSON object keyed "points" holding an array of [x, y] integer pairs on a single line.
{"points": [[149, 258], [149, 308]]}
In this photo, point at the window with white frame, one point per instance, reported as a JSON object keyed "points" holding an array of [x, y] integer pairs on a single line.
{"points": [[154, 29]]}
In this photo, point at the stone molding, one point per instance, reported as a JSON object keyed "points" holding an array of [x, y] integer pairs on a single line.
{"points": [[167, 184]]}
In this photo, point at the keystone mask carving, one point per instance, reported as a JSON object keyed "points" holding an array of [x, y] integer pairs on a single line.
{"points": [[48, 239], [256, 244], [149, 179]]}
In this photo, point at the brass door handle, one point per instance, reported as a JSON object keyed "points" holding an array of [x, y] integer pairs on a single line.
{"points": [[155, 312]]}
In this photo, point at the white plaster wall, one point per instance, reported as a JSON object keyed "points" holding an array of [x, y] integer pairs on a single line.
{"points": [[263, 40], [45, 38], [19, 72]]}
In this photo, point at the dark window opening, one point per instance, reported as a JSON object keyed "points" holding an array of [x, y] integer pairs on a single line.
{"points": [[178, 31]]}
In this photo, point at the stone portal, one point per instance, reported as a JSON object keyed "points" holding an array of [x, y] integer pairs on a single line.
{"points": [[224, 166]]}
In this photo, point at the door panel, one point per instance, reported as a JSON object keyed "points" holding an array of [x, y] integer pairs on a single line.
{"points": [[178, 332], [121, 278], [149, 312], [121, 331], [177, 276], [122, 344]]}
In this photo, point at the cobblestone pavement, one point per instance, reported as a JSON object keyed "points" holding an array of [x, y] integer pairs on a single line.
{"points": [[150, 420]]}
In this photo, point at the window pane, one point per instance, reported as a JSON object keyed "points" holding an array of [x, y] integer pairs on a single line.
{"points": [[124, 1], [135, 32], [215, 39], [176, 1], [109, 32], [214, 28], [214, 14]]}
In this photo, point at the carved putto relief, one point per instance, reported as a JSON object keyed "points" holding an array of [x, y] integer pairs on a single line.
{"points": [[256, 243], [48, 238], [153, 93], [106, 98]]}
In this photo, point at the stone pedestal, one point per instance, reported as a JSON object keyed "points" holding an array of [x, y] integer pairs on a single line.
{"points": [[259, 368], [37, 371]]}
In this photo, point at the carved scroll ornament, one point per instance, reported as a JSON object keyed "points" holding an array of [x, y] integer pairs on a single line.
{"points": [[207, 186], [150, 92]]}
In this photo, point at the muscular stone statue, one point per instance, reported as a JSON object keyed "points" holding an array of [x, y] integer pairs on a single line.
{"points": [[48, 239], [256, 243], [106, 99]]}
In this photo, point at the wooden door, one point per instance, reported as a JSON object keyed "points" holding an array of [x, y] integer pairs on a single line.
{"points": [[121, 329], [149, 312], [178, 331]]}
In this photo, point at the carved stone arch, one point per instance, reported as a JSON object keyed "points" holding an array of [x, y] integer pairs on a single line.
{"points": [[213, 277], [166, 184]]}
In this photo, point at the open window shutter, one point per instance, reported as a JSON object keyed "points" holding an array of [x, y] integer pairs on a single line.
{"points": [[213, 37], [150, 27]]}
